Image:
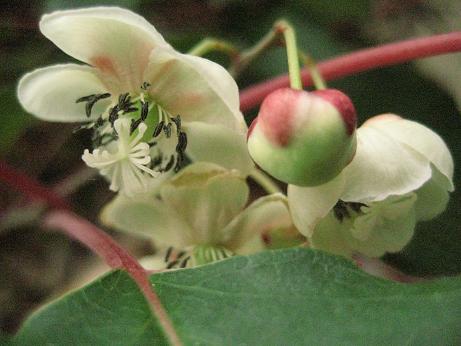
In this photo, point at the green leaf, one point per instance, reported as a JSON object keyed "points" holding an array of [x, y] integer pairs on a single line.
{"points": [[284, 297]]}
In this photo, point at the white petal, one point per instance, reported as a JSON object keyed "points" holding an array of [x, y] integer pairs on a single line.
{"points": [[195, 88], [208, 197], [265, 214], [383, 167], [420, 138], [218, 144], [50, 93], [385, 226], [147, 217], [309, 205], [432, 197], [115, 40]]}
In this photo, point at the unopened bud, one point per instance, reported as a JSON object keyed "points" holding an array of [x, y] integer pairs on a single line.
{"points": [[304, 138]]}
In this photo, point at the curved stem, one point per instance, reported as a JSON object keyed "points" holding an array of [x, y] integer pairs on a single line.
{"points": [[246, 57], [311, 65], [30, 187], [210, 44], [292, 53], [265, 181], [360, 61], [116, 257]]}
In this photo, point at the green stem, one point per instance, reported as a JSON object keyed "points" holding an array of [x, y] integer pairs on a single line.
{"points": [[247, 56], [265, 181], [311, 65], [210, 44], [292, 52]]}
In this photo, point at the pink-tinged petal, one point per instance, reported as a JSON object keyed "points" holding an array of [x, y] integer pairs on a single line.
{"points": [[195, 88], [309, 205], [50, 93], [114, 40], [420, 138], [383, 167]]}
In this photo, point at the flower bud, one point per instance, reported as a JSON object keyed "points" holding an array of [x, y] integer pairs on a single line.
{"points": [[304, 138]]}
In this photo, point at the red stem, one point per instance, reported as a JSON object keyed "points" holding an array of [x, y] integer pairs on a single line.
{"points": [[115, 256], [30, 187], [360, 61]]}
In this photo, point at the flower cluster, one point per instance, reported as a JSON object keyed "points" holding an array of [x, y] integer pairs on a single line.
{"points": [[150, 107]]}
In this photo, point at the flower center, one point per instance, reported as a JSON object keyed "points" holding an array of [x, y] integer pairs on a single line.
{"points": [[197, 255], [134, 139], [344, 210]]}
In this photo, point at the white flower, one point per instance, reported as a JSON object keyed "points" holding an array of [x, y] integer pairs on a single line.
{"points": [[132, 73], [200, 213], [401, 174]]}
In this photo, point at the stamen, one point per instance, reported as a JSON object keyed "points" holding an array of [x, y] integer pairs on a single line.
{"points": [[113, 115], [170, 164], [182, 253], [168, 254], [134, 125], [91, 101], [343, 209], [172, 264], [182, 142], [167, 130], [145, 85], [184, 262], [356, 206], [144, 110], [158, 129], [177, 121]]}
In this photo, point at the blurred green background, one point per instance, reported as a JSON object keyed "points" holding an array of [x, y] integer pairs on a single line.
{"points": [[35, 264]]}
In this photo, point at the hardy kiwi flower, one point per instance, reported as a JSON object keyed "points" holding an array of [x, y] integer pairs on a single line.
{"points": [[199, 216], [401, 174], [147, 104]]}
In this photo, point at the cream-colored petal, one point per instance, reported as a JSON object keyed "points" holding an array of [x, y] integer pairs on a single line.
{"points": [[383, 167], [309, 205], [385, 226], [195, 88], [433, 197], [116, 41], [218, 144], [147, 217], [207, 197], [50, 93], [263, 215], [420, 138]]}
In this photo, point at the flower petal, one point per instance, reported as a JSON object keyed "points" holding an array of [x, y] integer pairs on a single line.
{"points": [[50, 93], [116, 41], [207, 197], [383, 167], [433, 197], [147, 217], [420, 138], [218, 144], [309, 205], [385, 226], [265, 214], [195, 88]]}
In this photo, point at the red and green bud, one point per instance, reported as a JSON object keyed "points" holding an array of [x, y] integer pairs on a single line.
{"points": [[304, 138]]}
